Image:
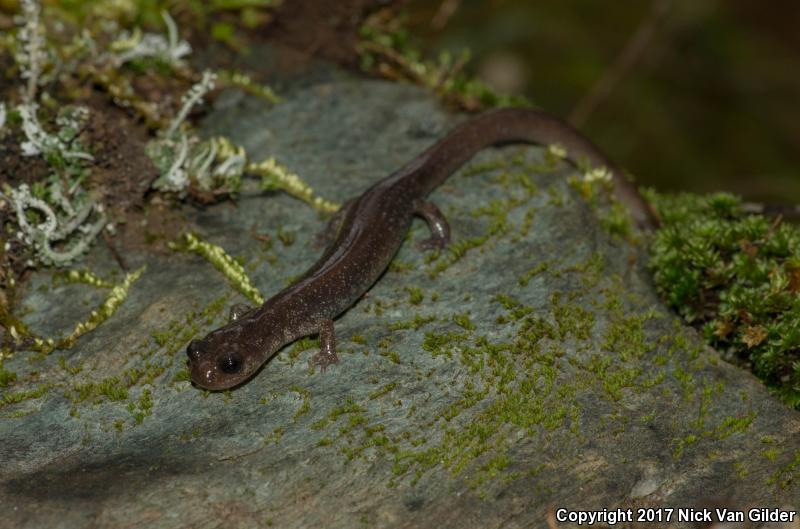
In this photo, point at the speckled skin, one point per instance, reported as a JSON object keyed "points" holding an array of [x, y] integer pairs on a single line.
{"points": [[372, 228]]}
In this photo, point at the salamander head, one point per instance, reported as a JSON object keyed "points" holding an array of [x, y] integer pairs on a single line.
{"points": [[223, 359]]}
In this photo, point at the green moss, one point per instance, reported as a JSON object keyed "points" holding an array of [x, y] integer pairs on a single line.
{"points": [[182, 376], [733, 425], [72, 370], [415, 323], [350, 407], [21, 396], [286, 237], [385, 48], [303, 344], [626, 337], [616, 221], [394, 356], [788, 475], [497, 211], [144, 408], [571, 319], [441, 344], [111, 388], [517, 310], [415, 295], [383, 391], [305, 406], [555, 197], [536, 270], [6, 377], [736, 276], [463, 321]]}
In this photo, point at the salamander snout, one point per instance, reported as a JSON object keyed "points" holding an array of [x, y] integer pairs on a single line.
{"points": [[193, 351]]}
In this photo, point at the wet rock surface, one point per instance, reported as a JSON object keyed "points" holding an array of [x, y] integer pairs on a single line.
{"points": [[530, 364]]}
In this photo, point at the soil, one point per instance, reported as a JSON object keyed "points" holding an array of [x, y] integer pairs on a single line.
{"points": [[328, 30], [122, 173]]}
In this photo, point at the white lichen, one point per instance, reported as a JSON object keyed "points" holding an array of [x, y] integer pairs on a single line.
{"points": [[232, 158], [183, 157], [597, 174], [176, 178], [30, 54], [557, 151], [230, 161], [60, 223], [170, 49], [2, 115], [191, 98], [40, 142]]}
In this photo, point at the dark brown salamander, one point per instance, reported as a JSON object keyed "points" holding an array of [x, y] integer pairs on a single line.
{"points": [[372, 228]]}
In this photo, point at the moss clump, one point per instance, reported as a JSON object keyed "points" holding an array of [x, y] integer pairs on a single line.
{"points": [[382, 391], [415, 295], [736, 276], [6, 377], [305, 406], [415, 323], [14, 398], [145, 406], [112, 388]]}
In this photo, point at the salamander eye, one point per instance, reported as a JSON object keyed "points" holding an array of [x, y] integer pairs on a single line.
{"points": [[231, 364]]}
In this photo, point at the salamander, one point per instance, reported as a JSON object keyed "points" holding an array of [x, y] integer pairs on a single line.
{"points": [[370, 230]]}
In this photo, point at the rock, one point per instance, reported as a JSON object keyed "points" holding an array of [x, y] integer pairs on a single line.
{"points": [[530, 365]]}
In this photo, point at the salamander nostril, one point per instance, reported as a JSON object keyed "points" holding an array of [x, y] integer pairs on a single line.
{"points": [[193, 350]]}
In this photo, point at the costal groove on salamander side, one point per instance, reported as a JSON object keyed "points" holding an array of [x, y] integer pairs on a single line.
{"points": [[372, 230]]}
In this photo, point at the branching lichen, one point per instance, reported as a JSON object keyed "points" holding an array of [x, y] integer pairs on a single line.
{"points": [[275, 176], [30, 54], [170, 50], [192, 98], [240, 80], [52, 146], [115, 298], [222, 262], [183, 157], [61, 222]]}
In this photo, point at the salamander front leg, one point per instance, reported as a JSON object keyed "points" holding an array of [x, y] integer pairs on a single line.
{"points": [[440, 229], [327, 347]]}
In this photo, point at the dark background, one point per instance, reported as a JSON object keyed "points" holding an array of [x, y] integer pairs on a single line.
{"points": [[698, 95]]}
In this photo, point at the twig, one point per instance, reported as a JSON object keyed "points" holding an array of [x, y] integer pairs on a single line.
{"points": [[790, 211], [117, 257], [624, 62], [446, 10], [551, 517]]}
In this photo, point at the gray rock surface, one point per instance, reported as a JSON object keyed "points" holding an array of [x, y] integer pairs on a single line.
{"points": [[533, 367]]}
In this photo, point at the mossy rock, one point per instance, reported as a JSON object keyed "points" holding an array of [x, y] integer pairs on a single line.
{"points": [[531, 364]]}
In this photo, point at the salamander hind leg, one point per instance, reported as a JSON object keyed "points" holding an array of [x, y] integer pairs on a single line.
{"points": [[440, 229], [327, 347]]}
